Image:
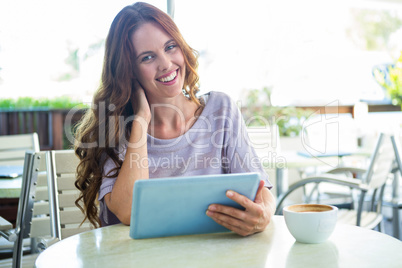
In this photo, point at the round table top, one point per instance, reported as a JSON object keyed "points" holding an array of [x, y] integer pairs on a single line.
{"points": [[348, 246]]}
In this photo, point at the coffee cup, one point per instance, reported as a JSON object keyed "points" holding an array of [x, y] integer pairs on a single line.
{"points": [[310, 223]]}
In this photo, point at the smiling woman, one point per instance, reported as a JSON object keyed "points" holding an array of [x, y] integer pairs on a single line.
{"points": [[148, 92]]}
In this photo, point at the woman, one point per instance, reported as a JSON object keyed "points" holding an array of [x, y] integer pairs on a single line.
{"points": [[148, 123]]}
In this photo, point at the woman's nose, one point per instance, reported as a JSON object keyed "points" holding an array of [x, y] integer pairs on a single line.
{"points": [[164, 62]]}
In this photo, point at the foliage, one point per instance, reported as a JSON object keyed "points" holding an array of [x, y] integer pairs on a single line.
{"points": [[93, 49], [73, 59], [390, 78], [260, 112], [372, 29], [30, 103], [76, 57]]}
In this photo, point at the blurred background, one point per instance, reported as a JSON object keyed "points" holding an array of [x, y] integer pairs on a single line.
{"points": [[306, 52]]}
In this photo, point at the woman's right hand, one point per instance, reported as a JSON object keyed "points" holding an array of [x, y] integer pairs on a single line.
{"points": [[139, 98]]}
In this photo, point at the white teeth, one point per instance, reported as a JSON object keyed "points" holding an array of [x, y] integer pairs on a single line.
{"points": [[168, 78]]}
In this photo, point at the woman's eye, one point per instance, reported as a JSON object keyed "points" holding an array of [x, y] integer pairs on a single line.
{"points": [[170, 47], [146, 58]]}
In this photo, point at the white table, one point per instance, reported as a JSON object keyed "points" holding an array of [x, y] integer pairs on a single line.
{"points": [[10, 188], [10, 181], [349, 246]]}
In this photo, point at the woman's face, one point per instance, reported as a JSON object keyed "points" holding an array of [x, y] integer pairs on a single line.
{"points": [[159, 62]]}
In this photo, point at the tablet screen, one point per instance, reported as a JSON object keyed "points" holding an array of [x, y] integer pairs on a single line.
{"points": [[177, 206]]}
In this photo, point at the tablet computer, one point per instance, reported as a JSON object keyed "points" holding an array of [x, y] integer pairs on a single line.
{"points": [[177, 206]]}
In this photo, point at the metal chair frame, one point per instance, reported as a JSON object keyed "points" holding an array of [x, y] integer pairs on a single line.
{"points": [[396, 201], [364, 186], [26, 226], [56, 208]]}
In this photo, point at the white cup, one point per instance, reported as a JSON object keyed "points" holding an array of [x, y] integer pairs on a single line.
{"points": [[310, 223]]}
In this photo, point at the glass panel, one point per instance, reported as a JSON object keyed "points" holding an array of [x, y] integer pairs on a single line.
{"points": [[310, 52], [51, 48]]}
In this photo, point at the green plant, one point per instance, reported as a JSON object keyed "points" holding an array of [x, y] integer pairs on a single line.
{"points": [[372, 29], [259, 111], [391, 80], [30, 103]]}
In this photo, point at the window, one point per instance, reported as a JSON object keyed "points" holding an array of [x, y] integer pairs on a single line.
{"points": [[51, 48], [309, 52]]}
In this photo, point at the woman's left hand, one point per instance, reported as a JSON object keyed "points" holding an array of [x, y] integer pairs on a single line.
{"points": [[255, 218]]}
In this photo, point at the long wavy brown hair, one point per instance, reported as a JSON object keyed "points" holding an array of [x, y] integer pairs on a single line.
{"points": [[100, 133]]}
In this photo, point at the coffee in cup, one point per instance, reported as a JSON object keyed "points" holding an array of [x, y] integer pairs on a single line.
{"points": [[310, 223]]}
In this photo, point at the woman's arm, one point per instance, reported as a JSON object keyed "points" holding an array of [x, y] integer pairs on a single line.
{"points": [[256, 216], [243, 158], [135, 164]]}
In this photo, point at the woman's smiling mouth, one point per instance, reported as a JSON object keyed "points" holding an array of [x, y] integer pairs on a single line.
{"points": [[169, 78]]}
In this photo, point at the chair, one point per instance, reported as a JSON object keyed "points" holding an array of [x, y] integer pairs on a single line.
{"points": [[322, 137], [367, 211], [396, 202], [47, 210], [33, 211], [61, 169], [12, 155], [13, 148]]}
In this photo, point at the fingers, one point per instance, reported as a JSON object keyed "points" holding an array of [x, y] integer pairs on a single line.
{"points": [[252, 220], [137, 84], [258, 196], [245, 227], [234, 224], [236, 216], [245, 202], [231, 224], [141, 105], [242, 222]]}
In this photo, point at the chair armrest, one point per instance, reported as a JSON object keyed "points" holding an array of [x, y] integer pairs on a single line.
{"points": [[44, 243], [7, 231], [10, 235], [347, 169], [329, 178], [5, 224], [332, 178]]}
